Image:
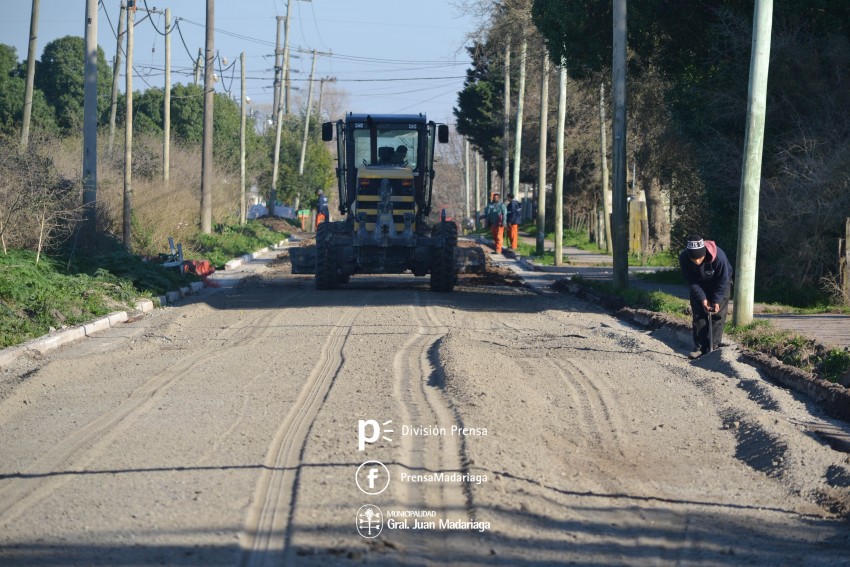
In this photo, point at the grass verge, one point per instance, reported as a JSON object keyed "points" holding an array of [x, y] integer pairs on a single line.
{"points": [[227, 242], [37, 297], [760, 335]]}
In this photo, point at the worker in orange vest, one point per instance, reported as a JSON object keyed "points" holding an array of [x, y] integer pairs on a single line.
{"points": [[322, 211], [496, 213]]}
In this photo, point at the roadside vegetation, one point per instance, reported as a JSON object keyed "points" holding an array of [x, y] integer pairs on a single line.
{"points": [[54, 271], [760, 335]]}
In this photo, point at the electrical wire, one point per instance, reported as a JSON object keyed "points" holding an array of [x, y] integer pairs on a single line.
{"points": [[153, 24]]}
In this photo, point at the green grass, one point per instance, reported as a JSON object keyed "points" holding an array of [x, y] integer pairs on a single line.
{"points": [[228, 242], [656, 301], [35, 297], [760, 335], [530, 251], [792, 349]]}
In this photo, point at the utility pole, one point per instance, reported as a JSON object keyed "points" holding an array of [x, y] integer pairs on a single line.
{"points": [[606, 195], [477, 188], [466, 179], [116, 75], [166, 104], [90, 118], [278, 66], [559, 176], [745, 269], [519, 106], [198, 67], [242, 204], [321, 91], [307, 118], [285, 70], [209, 101], [128, 133], [25, 129], [506, 124], [541, 154], [620, 240]]}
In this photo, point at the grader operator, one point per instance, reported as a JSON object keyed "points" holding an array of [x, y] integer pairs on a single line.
{"points": [[385, 173]]}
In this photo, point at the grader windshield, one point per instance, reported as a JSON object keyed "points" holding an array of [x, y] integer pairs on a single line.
{"points": [[393, 146]]}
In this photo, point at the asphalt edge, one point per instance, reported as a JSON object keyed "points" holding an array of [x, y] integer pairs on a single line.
{"points": [[51, 341], [833, 399]]}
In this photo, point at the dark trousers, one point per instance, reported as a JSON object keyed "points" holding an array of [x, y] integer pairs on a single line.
{"points": [[701, 323]]}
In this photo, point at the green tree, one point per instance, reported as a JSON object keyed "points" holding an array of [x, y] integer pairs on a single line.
{"points": [[318, 163], [12, 86], [479, 105], [60, 75]]}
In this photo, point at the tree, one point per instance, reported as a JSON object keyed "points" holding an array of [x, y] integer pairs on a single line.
{"points": [[60, 76], [12, 85], [479, 106], [318, 164]]}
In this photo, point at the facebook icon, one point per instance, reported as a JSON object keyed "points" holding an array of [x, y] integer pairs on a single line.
{"points": [[372, 477]]}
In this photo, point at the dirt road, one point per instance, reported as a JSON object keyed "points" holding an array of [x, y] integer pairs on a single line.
{"points": [[509, 428]]}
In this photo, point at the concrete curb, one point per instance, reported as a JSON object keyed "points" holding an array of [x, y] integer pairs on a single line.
{"points": [[52, 341], [834, 399], [236, 262]]}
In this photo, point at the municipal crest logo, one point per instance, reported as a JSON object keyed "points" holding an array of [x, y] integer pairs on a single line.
{"points": [[370, 521]]}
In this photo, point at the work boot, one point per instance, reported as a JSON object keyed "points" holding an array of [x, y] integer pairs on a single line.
{"points": [[693, 355]]}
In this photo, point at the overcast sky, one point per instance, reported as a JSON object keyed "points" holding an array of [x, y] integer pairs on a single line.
{"points": [[388, 55]]}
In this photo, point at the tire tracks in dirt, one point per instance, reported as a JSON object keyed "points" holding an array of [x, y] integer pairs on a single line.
{"points": [[85, 445], [418, 392], [267, 530]]}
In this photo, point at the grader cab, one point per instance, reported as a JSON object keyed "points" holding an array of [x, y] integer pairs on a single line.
{"points": [[385, 173]]}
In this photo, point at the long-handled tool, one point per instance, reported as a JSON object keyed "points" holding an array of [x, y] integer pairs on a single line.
{"points": [[710, 332]]}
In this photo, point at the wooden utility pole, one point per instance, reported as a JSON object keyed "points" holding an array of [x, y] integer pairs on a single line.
{"points": [[90, 117], [603, 150], [285, 69], [748, 215], [541, 154], [620, 237], [506, 125], [209, 101], [25, 129], [307, 118], [128, 134], [116, 75], [276, 160], [198, 67], [278, 67], [466, 179], [518, 128], [321, 94], [559, 177], [477, 187], [166, 104], [243, 211], [845, 265]]}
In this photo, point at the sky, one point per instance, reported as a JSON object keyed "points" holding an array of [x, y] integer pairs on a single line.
{"points": [[389, 56]]}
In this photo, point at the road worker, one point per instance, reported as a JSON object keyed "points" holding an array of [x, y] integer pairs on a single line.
{"points": [[514, 216], [709, 275], [322, 212], [496, 214]]}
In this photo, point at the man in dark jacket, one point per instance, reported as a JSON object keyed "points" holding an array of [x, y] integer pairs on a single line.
{"points": [[709, 274]]}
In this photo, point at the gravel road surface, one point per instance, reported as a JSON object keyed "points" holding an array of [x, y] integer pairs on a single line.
{"points": [[509, 428]]}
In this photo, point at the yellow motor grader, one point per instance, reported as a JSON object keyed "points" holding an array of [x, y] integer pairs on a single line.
{"points": [[385, 173]]}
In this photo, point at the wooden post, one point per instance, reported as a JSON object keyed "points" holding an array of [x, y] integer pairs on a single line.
{"points": [[846, 267], [25, 130], [128, 133], [748, 215], [620, 222], [541, 155], [559, 174], [166, 103]]}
